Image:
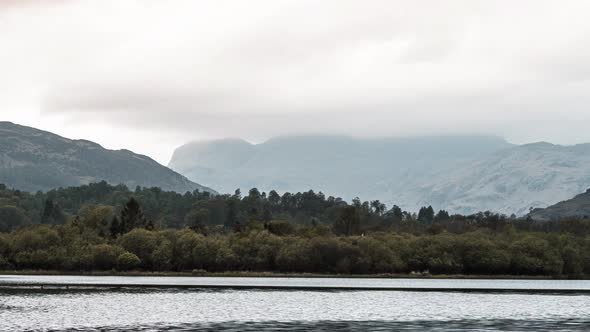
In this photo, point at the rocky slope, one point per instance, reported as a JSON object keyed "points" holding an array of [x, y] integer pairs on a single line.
{"points": [[463, 174], [32, 160], [511, 180], [339, 166], [577, 207]]}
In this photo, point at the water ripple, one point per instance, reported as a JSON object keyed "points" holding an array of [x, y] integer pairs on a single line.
{"points": [[460, 325]]}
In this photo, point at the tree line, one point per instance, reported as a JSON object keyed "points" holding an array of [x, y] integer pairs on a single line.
{"points": [[104, 227]]}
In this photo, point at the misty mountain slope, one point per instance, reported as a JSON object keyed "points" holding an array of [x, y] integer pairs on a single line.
{"points": [[336, 165], [510, 181], [578, 207], [31, 160]]}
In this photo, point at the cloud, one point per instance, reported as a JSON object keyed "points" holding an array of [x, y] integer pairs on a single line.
{"points": [[262, 68]]}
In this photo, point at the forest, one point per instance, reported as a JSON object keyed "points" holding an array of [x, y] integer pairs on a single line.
{"points": [[101, 227]]}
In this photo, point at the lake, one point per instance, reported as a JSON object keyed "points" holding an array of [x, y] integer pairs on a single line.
{"points": [[90, 303]]}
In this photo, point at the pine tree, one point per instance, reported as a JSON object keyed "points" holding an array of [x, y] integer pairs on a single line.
{"points": [[426, 215], [397, 213], [442, 215], [274, 199], [47, 212], [348, 222], [232, 214], [115, 228], [266, 213], [52, 213], [132, 216]]}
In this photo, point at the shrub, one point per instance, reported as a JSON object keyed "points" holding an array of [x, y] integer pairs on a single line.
{"points": [[162, 256], [128, 261], [280, 227], [104, 256], [142, 243], [4, 264]]}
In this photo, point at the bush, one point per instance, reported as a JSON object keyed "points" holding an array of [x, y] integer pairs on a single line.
{"points": [[128, 261], [280, 227], [186, 242], [162, 256], [4, 264], [204, 255], [481, 256], [257, 250], [104, 256], [4, 245], [534, 256], [295, 256], [35, 238], [82, 260], [380, 258], [142, 243]]}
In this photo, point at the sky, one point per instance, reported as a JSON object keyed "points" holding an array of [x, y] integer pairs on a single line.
{"points": [[151, 75]]}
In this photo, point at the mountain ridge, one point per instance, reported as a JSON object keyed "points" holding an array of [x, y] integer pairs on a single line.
{"points": [[32, 159], [335, 165], [463, 174], [576, 207]]}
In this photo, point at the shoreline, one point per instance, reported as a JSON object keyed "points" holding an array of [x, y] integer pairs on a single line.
{"points": [[116, 287], [247, 274]]}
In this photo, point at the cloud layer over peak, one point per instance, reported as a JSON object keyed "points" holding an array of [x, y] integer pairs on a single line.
{"points": [[255, 69]]}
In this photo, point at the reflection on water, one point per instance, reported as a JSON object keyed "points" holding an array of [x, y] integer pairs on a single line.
{"points": [[137, 309], [464, 325]]}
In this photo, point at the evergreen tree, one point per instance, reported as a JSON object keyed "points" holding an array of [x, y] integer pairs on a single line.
{"points": [[266, 213], [197, 219], [253, 214], [254, 194], [274, 199], [47, 211], [237, 194], [426, 215], [132, 216], [442, 215], [115, 227], [52, 213], [378, 207], [348, 222], [149, 225], [232, 214], [396, 213]]}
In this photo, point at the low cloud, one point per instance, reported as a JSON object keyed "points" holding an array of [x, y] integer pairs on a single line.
{"points": [[263, 68]]}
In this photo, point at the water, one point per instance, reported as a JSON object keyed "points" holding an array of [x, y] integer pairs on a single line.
{"points": [[522, 284], [138, 309]]}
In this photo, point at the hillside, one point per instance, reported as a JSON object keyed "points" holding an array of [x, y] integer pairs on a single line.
{"points": [[336, 165], [510, 181], [577, 207], [464, 174], [32, 160]]}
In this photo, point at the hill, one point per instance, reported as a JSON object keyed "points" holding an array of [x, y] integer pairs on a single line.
{"points": [[510, 180], [32, 160], [577, 207]]}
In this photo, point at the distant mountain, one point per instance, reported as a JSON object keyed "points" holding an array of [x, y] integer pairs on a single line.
{"points": [[32, 160], [390, 169], [510, 181], [463, 174], [578, 207]]}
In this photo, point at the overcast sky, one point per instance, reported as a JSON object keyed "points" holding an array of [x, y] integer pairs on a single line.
{"points": [[150, 75]]}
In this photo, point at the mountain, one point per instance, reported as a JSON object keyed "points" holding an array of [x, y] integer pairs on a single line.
{"points": [[510, 180], [577, 207], [463, 174], [336, 165], [32, 160]]}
